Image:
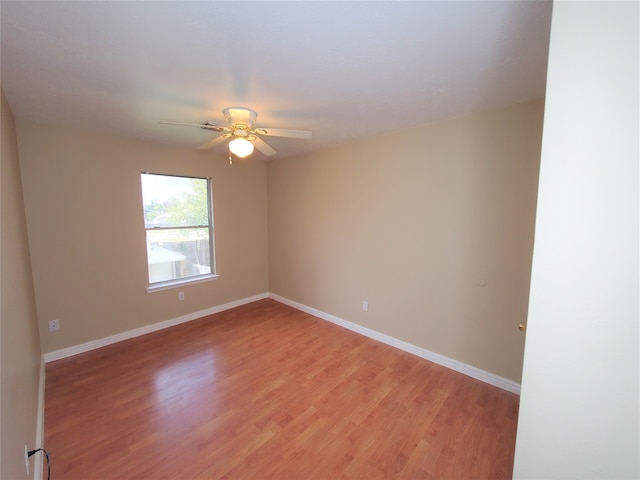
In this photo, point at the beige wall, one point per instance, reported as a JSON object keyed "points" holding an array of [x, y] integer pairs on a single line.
{"points": [[20, 345], [432, 226], [84, 213], [437, 237]]}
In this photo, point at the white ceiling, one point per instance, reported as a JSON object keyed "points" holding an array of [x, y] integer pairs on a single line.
{"points": [[345, 70]]}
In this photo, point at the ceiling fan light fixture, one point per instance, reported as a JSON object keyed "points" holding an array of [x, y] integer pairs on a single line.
{"points": [[241, 147], [243, 137]]}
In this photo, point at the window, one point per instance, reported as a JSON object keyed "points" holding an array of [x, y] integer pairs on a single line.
{"points": [[178, 219]]}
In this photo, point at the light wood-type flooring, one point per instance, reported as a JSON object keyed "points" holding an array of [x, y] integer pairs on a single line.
{"points": [[264, 391]]}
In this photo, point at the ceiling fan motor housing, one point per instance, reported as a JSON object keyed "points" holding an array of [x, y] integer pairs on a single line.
{"points": [[240, 115]]}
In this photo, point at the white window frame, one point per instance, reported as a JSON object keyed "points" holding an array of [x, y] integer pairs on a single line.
{"points": [[167, 284]]}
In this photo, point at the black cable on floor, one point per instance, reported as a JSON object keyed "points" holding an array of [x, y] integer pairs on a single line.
{"points": [[46, 454]]}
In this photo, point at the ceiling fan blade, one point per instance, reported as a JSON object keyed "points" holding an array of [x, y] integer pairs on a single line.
{"points": [[216, 128], [281, 132], [213, 142], [263, 147]]}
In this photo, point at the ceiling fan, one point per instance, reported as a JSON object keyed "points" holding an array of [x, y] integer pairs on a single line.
{"points": [[242, 135]]}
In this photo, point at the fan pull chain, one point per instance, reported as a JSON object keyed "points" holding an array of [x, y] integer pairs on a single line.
{"points": [[230, 160]]}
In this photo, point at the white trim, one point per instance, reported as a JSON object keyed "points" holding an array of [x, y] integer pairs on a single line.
{"points": [[447, 362], [37, 474], [102, 342], [471, 371], [181, 282]]}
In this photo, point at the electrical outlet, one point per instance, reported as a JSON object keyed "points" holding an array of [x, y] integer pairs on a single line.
{"points": [[26, 459], [54, 325], [365, 305], [180, 296]]}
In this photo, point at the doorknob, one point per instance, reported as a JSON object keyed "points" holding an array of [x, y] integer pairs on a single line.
{"points": [[522, 326]]}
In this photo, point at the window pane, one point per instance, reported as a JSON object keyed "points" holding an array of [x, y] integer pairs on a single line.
{"points": [[178, 253], [179, 228], [174, 201]]}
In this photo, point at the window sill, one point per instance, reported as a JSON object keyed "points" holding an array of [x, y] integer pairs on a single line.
{"points": [[181, 282]]}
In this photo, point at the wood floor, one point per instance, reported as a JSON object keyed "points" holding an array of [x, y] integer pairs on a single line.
{"points": [[264, 391]]}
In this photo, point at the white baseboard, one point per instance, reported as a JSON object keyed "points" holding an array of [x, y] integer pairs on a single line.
{"points": [[474, 372], [39, 465], [102, 342], [450, 363]]}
